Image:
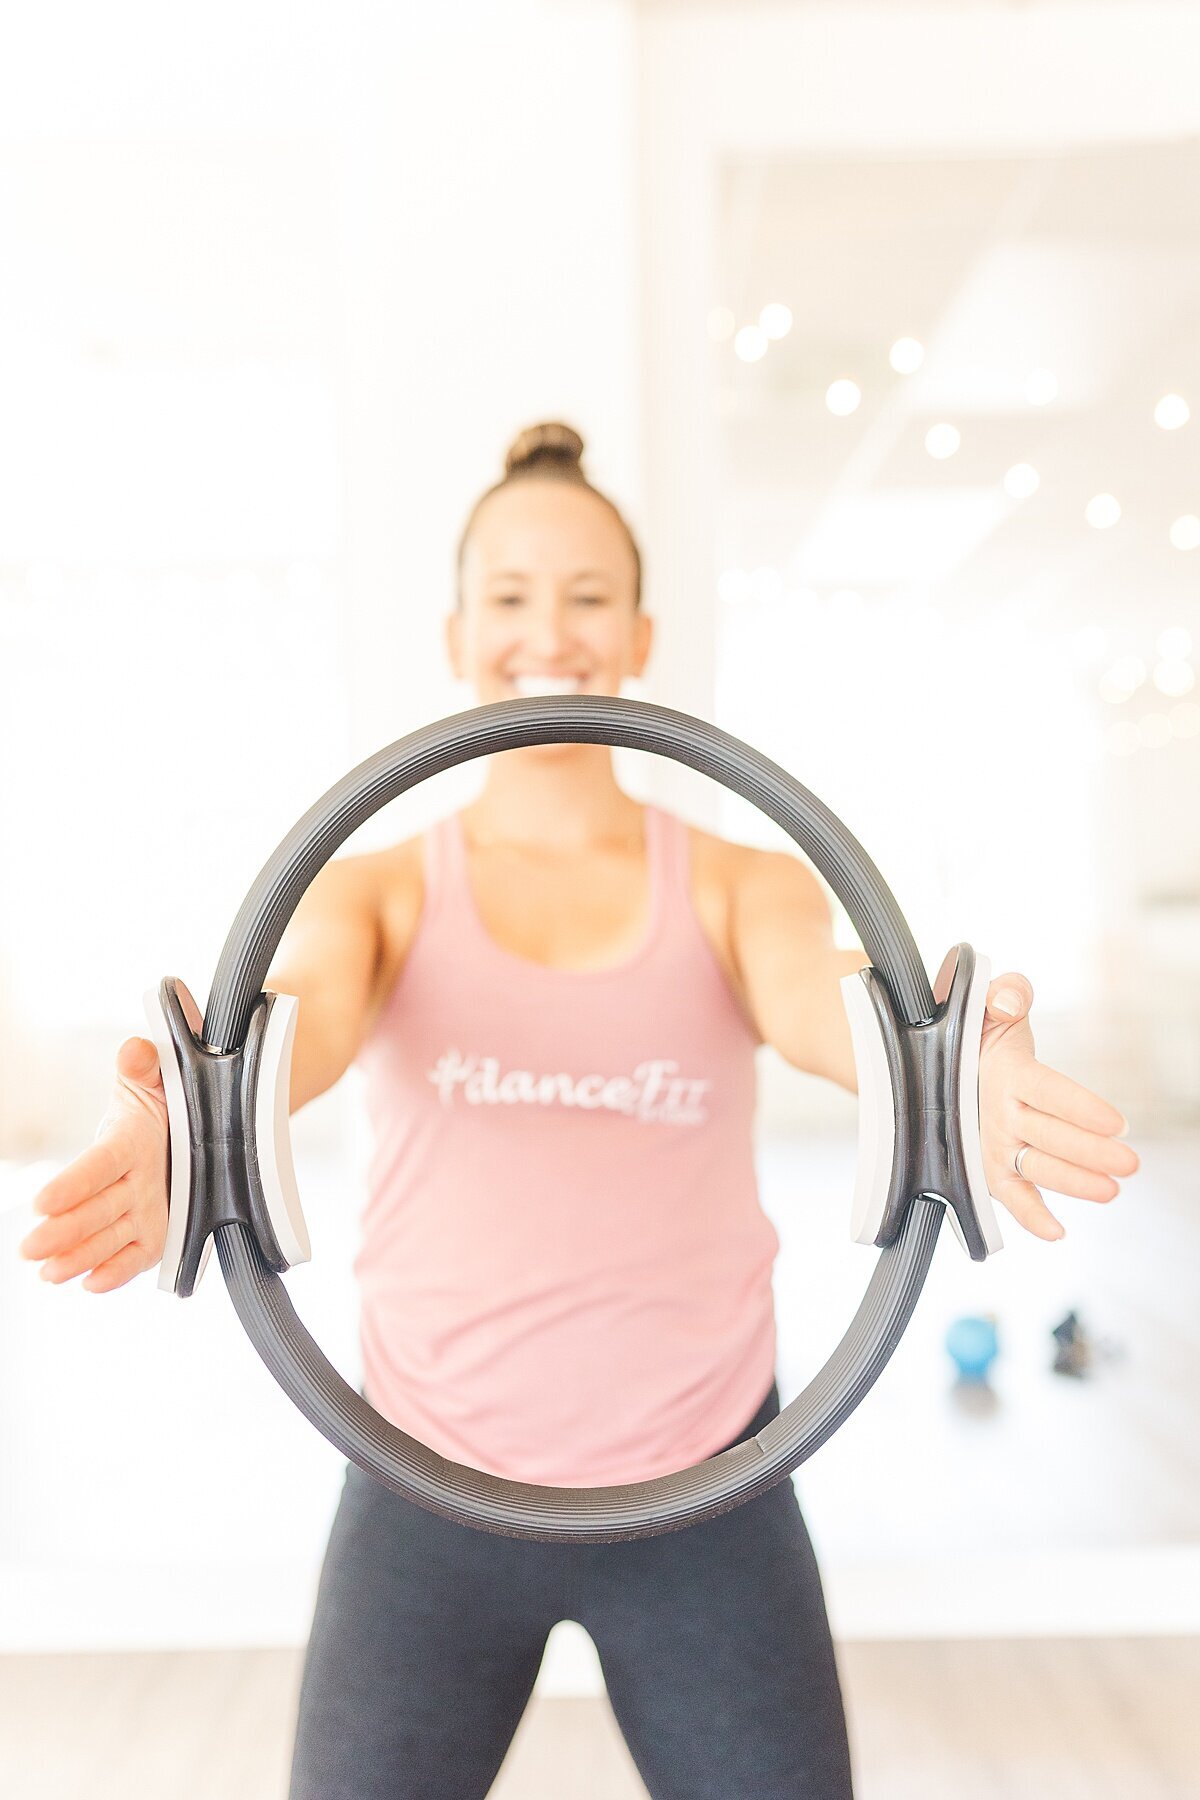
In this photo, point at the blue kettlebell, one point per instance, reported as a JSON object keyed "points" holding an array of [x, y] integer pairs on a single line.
{"points": [[973, 1346]]}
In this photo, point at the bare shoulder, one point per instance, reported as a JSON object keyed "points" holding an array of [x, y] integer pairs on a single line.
{"points": [[398, 878], [344, 889], [733, 883], [742, 872], [383, 888], [713, 861]]}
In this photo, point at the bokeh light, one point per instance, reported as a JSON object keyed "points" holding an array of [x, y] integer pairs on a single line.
{"points": [[1176, 640], [842, 397], [906, 355], [942, 441], [1041, 387], [1021, 481], [1121, 679], [1174, 677], [1102, 512], [1171, 412], [750, 344]]}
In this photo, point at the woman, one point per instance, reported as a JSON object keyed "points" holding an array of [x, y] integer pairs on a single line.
{"points": [[556, 997]]}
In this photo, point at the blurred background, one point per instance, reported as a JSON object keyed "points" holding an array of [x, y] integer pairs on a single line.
{"points": [[879, 322]]}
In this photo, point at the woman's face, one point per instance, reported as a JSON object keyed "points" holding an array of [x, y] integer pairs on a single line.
{"points": [[548, 597]]}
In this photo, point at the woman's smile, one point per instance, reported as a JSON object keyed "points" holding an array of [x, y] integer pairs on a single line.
{"points": [[528, 687]]}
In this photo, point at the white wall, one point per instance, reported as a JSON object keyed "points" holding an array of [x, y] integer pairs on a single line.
{"points": [[718, 82], [279, 290], [275, 302]]}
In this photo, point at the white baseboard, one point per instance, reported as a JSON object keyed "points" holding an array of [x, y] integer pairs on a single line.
{"points": [[1103, 1593], [1153, 1591]]}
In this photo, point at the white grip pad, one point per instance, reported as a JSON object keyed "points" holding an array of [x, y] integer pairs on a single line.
{"points": [[272, 1136], [181, 1144], [876, 1112]]}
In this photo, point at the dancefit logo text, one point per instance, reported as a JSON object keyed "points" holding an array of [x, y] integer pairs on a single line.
{"points": [[655, 1092]]}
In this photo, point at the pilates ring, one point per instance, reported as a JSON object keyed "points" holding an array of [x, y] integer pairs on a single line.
{"points": [[226, 1079]]}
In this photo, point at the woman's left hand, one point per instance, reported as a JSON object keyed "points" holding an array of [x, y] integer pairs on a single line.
{"points": [[1074, 1134]]}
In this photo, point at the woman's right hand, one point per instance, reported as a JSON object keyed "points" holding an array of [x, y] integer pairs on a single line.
{"points": [[107, 1210]]}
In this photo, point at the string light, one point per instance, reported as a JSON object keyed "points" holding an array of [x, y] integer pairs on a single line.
{"points": [[942, 441], [1175, 641], [1122, 679], [1171, 412], [1174, 677], [750, 344], [1041, 387], [1185, 532], [1021, 481], [775, 320], [906, 355], [842, 397], [1102, 512]]}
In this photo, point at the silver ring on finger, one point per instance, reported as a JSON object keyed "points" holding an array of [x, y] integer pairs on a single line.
{"points": [[1019, 1160]]}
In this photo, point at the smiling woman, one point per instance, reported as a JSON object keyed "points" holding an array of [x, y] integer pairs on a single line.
{"points": [[549, 582], [550, 452], [556, 997]]}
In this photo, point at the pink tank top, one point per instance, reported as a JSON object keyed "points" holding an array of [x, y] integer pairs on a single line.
{"points": [[565, 1268]]}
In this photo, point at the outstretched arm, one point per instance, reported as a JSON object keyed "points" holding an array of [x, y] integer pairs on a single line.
{"points": [[783, 946], [791, 973], [107, 1210]]}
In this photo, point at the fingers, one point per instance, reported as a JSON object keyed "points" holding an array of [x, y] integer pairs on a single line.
{"points": [[92, 1252], [1086, 1151], [119, 1269], [60, 1235], [1027, 1207], [1009, 997], [1049, 1091], [91, 1173], [137, 1063], [1063, 1177]]}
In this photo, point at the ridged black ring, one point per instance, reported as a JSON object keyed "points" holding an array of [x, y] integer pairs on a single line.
{"points": [[517, 1509]]}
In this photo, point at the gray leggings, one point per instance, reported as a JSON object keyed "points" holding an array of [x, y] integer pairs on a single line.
{"points": [[428, 1635]]}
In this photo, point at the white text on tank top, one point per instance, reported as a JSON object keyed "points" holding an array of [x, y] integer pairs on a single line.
{"points": [[655, 1091]]}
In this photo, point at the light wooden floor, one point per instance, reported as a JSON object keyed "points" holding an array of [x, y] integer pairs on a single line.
{"points": [[1094, 1719]]}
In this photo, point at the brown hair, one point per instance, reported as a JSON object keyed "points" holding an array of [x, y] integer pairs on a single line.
{"points": [[549, 452]]}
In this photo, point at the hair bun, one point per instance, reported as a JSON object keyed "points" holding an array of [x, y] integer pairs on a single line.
{"points": [[539, 445]]}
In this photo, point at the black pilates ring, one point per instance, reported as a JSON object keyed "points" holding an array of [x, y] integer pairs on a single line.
{"points": [[467, 1495]]}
